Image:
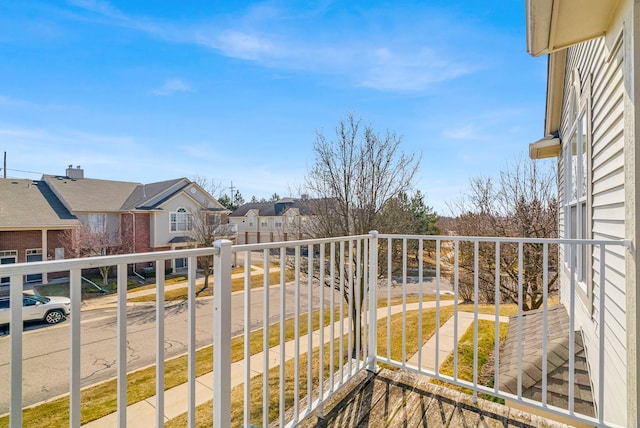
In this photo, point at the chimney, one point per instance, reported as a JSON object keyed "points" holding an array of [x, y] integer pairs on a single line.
{"points": [[76, 173]]}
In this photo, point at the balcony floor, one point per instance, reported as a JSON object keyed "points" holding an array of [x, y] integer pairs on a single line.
{"points": [[401, 399]]}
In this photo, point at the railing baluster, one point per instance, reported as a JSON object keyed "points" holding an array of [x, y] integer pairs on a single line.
{"points": [[437, 359], [572, 315], [601, 326], [496, 349], [456, 260], [283, 296], [365, 300], [222, 334], [332, 279], [358, 303], [545, 320], [342, 278], [310, 328], [351, 320], [76, 303], [389, 274], [404, 303], [476, 256], [373, 300], [160, 276], [265, 337], [122, 345], [247, 335], [322, 265], [191, 341], [15, 329], [420, 279], [296, 343], [520, 311]]}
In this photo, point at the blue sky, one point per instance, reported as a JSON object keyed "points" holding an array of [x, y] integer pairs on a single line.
{"points": [[235, 91]]}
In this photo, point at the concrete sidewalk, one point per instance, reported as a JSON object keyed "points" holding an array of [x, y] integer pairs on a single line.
{"points": [[426, 360], [143, 413]]}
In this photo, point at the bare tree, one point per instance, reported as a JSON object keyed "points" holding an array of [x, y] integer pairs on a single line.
{"points": [[213, 187], [208, 224], [208, 227], [355, 176], [522, 203], [88, 241]]}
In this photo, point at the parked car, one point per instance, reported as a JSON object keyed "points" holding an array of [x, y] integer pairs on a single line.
{"points": [[51, 310]]}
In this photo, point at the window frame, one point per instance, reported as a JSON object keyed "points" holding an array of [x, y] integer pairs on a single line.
{"points": [[180, 220], [97, 222], [577, 199]]}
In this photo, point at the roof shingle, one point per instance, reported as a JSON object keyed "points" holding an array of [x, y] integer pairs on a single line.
{"points": [[28, 203]]}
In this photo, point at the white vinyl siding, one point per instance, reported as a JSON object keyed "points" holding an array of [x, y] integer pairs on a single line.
{"points": [[606, 213]]}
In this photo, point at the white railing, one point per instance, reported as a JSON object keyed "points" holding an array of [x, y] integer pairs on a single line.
{"points": [[339, 284]]}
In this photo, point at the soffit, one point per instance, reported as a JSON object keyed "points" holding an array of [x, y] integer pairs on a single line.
{"points": [[553, 25]]}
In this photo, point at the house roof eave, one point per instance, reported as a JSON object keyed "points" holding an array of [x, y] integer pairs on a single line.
{"points": [[553, 25], [555, 91]]}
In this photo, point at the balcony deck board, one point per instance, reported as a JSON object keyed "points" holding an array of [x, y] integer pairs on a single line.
{"points": [[402, 399]]}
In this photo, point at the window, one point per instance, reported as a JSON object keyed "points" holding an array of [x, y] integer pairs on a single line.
{"points": [[181, 220], [278, 223], [97, 222], [263, 224], [213, 219], [575, 152]]}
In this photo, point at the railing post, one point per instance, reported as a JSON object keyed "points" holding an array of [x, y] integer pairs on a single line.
{"points": [[373, 301], [16, 286], [222, 334]]}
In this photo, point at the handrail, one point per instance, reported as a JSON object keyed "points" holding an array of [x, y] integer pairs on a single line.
{"points": [[345, 277]]}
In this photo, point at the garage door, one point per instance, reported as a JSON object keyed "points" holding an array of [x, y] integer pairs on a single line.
{"points": [[34, 256], [7, 257]]}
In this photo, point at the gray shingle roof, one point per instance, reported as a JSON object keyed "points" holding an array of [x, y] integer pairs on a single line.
{"points": [[90, 194], [29, 203], [269, 209], [144, 193], [557, 360]]}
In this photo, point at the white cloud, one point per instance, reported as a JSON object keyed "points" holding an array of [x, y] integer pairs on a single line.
{"points": [[276, 38], [171, 86], [389, 70]]}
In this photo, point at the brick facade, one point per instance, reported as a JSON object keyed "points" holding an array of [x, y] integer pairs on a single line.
{"points": [[136, 229], [24, 240]]}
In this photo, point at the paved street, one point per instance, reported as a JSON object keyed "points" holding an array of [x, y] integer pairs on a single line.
{"points": [[46, 348]]}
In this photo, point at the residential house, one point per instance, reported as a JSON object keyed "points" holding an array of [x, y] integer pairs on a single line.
{"points": [[591, 122], [33, 224], [283, 220], [146, 217]]}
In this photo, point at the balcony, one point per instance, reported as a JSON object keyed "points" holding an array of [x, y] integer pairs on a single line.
{"points": [[349, 322]]}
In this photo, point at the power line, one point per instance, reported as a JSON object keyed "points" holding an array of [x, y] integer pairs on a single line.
{"points": [[21, 170]]}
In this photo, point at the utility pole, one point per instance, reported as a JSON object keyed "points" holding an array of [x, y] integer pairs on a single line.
{"points": [[233, 195], [4, 170]]}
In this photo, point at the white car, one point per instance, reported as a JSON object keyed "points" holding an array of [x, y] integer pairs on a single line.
{"points": [[51, 310]]}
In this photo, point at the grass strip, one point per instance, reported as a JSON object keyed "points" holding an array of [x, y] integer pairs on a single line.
{"points": [[101, 400], [237, 284], [486, 346], [204, 412]]}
